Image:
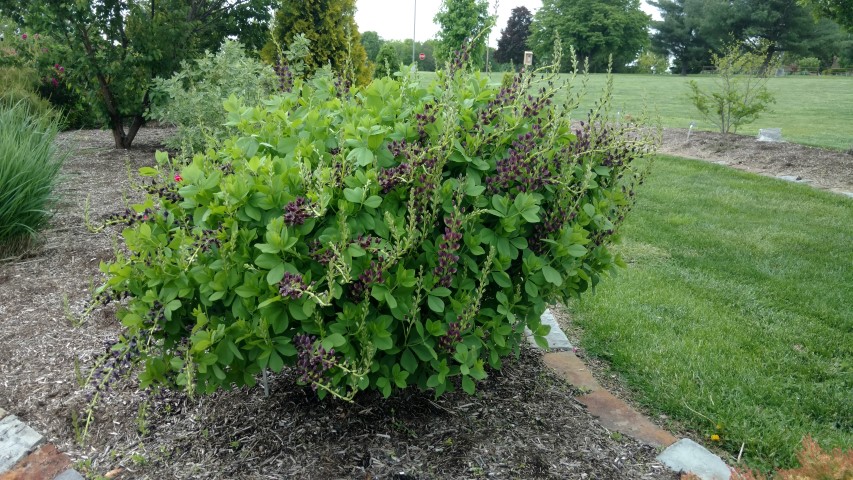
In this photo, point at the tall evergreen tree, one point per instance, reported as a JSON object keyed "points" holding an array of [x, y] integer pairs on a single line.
{"points": [[462, 21], [330, 27], [682, 35], [596, 28], [513, 41]]}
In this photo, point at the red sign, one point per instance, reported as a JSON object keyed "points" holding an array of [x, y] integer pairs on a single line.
{"points": [[422, 56]]}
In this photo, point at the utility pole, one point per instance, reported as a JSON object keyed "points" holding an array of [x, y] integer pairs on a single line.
{"points": [[414, 30]]}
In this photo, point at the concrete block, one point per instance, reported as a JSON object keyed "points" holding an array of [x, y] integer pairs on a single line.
{"points": [[557, 340], [3, 413], [686, 456], [16, 441], [69, 475]]}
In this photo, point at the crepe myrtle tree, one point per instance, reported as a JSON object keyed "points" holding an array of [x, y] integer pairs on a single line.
{"points": [[119, 46]]}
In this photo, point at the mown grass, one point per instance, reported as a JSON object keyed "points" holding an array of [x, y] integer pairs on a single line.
{"points": [[810, 110], [736, 309]]}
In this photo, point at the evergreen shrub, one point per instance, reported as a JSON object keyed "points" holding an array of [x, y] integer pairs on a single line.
{"points": [[374, 238]]}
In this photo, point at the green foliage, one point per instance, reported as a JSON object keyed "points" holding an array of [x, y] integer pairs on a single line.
{"points": [[192, 98], [372, 42], [18, 87], [387, 62], [809, 64], [597, 29], [29, 168], [840, 11], [374, 238], [463, 22], [513, 41], [117, 46], [739, 94], [652, 63], [330, 27], [692, 29]]}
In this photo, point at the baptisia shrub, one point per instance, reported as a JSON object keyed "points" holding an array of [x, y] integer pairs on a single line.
{"points": [[375, 238]]}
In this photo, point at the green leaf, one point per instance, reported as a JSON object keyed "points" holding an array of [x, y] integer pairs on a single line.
{"points": [[440, 292], [408, 361], [552, 275], [373, 201], [435, 304], [354, 195], [334, 340], [468, 385], [276, 362], [276, 274], [148, 171], [502, 279], [577, 250], [247, 291], [268, 261]]}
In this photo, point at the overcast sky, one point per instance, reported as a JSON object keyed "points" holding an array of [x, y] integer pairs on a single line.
{"points": [[394, 19]]}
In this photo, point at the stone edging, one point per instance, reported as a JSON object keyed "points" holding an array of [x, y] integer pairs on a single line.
{"points": [[24, 455], [683, 455]]}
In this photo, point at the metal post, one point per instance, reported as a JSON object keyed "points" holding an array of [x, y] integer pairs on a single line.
{"points": [[414, 30]]}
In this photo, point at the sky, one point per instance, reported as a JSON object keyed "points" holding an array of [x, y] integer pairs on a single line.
{"points": [[394, 19]]}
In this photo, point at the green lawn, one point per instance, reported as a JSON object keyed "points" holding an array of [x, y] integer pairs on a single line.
{"points": [[736, 309], [810, 110]]}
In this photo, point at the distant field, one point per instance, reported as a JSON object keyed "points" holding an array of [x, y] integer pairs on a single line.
{"points": [[810, 110]]}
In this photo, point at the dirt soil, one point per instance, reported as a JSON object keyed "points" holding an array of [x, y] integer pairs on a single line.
{"points": [[825, 169], [523, 423]]}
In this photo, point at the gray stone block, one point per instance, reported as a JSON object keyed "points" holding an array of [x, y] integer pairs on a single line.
{"points": [[16, 441], [557, 340], [3, 413], [69, 475], [686, 455]]}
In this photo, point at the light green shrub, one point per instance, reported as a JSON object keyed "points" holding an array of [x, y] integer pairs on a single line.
{"points": [[192, 98]]}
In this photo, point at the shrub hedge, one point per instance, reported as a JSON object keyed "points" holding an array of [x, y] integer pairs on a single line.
{"points": [[373, 238]]}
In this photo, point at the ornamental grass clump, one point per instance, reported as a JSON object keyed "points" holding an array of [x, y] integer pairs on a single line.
{"points": [[29, 169], [378, 237]]}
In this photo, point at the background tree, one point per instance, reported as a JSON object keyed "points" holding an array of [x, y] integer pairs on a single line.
{"points": [[387, 61], [330, 27], [596, 28], [118, 46], [841, 11], [372, 42], [739, 93], [461, 21], [680, 34], [692, 29], [513, 41]]}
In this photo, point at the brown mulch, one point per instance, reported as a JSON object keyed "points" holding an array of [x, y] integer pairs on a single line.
{"points": [[522, 423], [825, 169]]}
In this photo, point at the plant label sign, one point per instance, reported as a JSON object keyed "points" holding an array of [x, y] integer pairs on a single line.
{"points": [[528, 58]]}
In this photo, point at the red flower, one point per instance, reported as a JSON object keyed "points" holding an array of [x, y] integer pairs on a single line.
{"points": [[56, 66], [24, 36], [178, 177]]}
